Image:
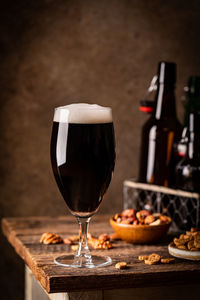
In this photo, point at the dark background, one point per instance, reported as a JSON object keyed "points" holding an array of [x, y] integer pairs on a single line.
{"points": [[56, 52]]}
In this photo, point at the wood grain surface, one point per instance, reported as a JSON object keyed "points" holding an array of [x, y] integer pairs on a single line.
{"points": [[24, 235]]}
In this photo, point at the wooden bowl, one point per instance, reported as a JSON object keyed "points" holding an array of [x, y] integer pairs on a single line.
{"points": [[140, 234]]}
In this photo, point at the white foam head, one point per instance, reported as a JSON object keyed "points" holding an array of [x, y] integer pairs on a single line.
{"points": [[83, 113]]}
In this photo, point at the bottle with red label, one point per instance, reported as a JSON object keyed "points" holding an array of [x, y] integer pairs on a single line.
{"points": [[160, 132]]}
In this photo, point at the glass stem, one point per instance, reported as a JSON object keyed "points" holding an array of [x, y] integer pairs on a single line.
{"points": [[83, 250]]}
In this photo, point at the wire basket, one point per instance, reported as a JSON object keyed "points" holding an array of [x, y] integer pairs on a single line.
{"points": [[183, 207]]}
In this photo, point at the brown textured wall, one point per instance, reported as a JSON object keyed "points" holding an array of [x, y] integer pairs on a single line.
{"points": [[58, 52]]}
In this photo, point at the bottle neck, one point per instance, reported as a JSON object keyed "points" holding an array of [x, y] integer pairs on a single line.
{"points": [[193, 151], [192, 106], [165, 105]]}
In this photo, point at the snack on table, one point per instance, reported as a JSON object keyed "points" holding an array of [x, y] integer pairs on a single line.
{"points": [[143, 257], [100, 244], [189, 241], [141, 217], [121, 265], [50, 238], [154, 259], [74, 247], [167, 260], [103, 241], [150, 262], [104, 237], [68, 241]]}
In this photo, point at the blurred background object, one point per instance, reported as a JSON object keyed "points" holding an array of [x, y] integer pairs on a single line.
{"points": [[55, 52]]}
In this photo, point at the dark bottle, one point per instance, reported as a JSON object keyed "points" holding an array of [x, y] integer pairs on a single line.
{"points": [[192, 105], [188, 169], [160, 132]]}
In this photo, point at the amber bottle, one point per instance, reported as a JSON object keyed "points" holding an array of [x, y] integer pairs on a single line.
{"points": [[160, 132]]}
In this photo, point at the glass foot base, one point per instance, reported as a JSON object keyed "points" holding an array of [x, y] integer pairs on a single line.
{"points": [[72, 261]]}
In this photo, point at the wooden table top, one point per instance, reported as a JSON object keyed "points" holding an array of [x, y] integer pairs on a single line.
{"points": [[24, 235]]}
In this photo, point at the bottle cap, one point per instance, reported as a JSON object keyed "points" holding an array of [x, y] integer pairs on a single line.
{"points": [[166, 72]]}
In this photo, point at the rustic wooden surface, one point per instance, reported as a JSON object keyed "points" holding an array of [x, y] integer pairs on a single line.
{"points": [[24, 235]]}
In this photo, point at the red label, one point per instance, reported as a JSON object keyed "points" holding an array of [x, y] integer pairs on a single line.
{"points": [[181, 154], [146, 109]]}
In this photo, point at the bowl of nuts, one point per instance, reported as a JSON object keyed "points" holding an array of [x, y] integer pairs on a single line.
{"points": [[140, 227]]}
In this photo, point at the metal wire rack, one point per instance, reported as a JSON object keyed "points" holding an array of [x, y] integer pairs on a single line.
{"points": [[183, 207]]}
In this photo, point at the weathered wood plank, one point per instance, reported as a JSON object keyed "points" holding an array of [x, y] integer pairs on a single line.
{"points": [[33, 290], [24, 235], [155, 293]]}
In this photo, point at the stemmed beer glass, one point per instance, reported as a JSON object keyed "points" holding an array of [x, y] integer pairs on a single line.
{"points": [[83, 159]]}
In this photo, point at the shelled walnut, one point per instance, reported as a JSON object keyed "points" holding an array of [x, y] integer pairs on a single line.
{"points": [[50, 238]]}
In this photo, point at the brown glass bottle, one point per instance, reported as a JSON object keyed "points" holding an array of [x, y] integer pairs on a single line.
{"points": [[188, 169], [192, 105], [160, 132]]}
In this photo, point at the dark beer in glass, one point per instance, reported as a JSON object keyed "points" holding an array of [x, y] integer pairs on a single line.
{"points": [[83, 159]]}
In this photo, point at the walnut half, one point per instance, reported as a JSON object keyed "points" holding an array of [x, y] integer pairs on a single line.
{"points": [[50, 238]]}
